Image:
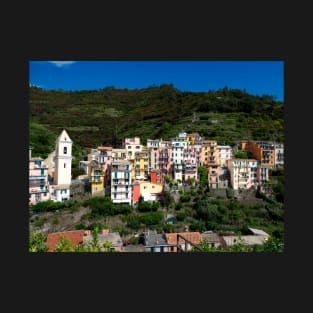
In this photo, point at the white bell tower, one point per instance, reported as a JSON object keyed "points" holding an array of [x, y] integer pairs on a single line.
{"points": [[63, 159]]}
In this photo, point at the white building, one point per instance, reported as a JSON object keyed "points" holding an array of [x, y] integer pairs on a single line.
{"points": [[224, 153], [244, 173], [60, 190], [178, 145], [121, 188], [63, 159], [279, 154]]}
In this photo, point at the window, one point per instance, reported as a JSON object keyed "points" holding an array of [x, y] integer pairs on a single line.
{"points": [[115, 196], [65, 150], [64, 165], [129, 147], [137, 147]]}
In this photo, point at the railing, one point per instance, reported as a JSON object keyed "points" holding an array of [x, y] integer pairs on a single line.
{"points": [[38, 190], [37, 177]]}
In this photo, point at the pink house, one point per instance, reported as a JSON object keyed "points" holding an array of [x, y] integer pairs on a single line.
{"points": [[161, 158], [190, 164], [38, 180]]}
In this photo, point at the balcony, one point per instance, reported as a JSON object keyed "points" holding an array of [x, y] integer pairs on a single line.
{"points": [[120, 182], [39, 190], [37, 177]]}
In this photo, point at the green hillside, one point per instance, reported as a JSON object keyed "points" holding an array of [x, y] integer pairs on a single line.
{"points": [[106, 116]]}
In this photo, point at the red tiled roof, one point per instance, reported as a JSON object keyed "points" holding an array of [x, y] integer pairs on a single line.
{"points": [[104, 148], [194, 237], [76, 236]]}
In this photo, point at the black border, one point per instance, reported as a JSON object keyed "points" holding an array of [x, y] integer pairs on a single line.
{"points": [[215, 34]]}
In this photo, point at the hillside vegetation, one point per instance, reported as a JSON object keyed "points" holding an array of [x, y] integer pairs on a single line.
{"points": [[106, 116]]}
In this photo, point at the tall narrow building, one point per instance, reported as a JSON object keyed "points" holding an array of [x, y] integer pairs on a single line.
{"points": [[60, 190], [63, 159]]}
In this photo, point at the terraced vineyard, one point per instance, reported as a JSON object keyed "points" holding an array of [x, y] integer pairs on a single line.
{"points": [[108, 115]]}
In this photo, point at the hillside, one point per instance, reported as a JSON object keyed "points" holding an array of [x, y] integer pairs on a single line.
{"points": [[108, 115]]}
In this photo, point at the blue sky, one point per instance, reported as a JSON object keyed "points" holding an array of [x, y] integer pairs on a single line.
{"points": [[256, 77]]}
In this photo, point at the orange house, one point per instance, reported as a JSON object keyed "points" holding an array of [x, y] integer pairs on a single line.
{"points": [[135, 193], [156, 177]]}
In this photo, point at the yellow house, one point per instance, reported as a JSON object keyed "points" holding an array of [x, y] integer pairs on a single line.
{"points": [[96, 178], [209, 153], [150, 191], [141, 166]]}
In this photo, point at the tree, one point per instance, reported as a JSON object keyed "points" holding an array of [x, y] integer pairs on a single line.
{"points": [[37, 242], [203, 174], [241, 155], [41, 140], [77, 171]]}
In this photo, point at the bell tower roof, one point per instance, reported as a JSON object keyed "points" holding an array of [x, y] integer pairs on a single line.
{"points": [[64, 137]]}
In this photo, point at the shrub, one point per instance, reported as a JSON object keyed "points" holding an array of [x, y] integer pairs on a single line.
{"points": [[80, 226], [197, 226], [133, 222], [144, 206], [152, 218], [169, 228], [39, 223], [180, 216], [186, 197], [47, 206]]}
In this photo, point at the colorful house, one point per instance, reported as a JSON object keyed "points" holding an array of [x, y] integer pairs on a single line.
{"points": [[38, 180], [224, 153], [156, 177], [247, 173], [161, 157], [217, 176], [132, 145], [96, 178], [118, 154], [195, 143], [135, 192], [209, 152], [263, 151], [150, 191], [141, 164]]}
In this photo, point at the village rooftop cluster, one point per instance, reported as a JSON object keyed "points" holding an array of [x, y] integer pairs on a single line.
{"points": [[136, 172]]}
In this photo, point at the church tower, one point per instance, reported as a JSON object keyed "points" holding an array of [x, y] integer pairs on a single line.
{"points": [[63, 159]]}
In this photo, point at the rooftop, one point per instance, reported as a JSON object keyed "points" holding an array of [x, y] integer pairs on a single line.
{"points": [[76, 236], [152, 238], [258, 232], [194, 237], [211, 237], [104, 148]]}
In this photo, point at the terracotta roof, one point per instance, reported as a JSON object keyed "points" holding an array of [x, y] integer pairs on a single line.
{"points": [[104, 148], [194, 237], [76, 236]]}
